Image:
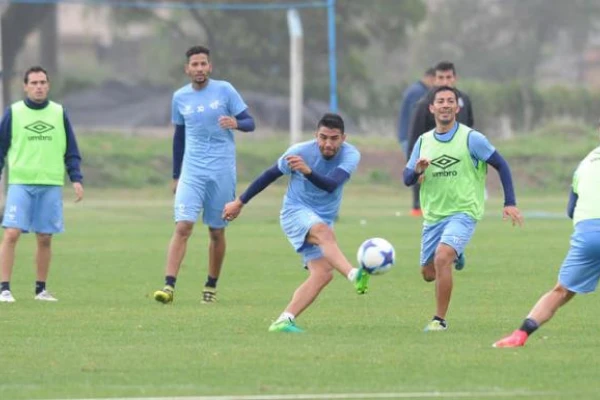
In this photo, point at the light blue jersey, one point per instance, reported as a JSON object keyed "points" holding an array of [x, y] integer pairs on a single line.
{"points": [[304, 204], [301, 192], [208, 176], [208, 147], [479, 146]]}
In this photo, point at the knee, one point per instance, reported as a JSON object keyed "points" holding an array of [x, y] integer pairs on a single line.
{"points": [[562, 291], [11, 236], [323, 277], [44, 240], [444, 257], [428, 274], [183, 230], [216, 235]]}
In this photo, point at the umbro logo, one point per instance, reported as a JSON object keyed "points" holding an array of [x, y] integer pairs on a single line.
{"points": [[39, 127], [444, 161]]}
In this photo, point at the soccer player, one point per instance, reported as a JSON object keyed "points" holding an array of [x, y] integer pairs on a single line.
{"points": [[410, 97], [422, 120], [37, 136], [205, 112], [318, 170], [580, 269], [451, 161]]}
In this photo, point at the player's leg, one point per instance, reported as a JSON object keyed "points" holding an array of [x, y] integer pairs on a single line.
{"points": [[320, 274], [304, 228], [416, 206], [219, 192], [188, 200], [457, 232], [579, 273], [17, 218], [47, 221]]}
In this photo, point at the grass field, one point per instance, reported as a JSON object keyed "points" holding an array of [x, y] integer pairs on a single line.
{"points": [[106, 337]]}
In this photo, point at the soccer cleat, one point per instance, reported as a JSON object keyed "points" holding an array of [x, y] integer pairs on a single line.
{"points": [[515, 339], [44, 295], [165, 295], [460, 262], [362, 281], [416, 212], [6, 297], [434, 326], [209, 295], [286, 325]]}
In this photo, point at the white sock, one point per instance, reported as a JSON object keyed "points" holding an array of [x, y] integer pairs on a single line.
{"points": [[285, 316], [352, 274]]}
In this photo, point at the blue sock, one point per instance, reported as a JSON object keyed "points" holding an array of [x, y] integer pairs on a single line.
{"points": [[39, 287], [529, 326], [211, 282], [170, 281], [4, 286]]}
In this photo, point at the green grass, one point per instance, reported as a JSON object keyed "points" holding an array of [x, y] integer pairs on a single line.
{"points": [[106, 337]]}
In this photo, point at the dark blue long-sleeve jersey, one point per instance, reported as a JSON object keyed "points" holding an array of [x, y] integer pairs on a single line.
{"points": [[72, 156]]}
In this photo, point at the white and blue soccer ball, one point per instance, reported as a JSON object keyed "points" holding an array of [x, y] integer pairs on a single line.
{"points": [[376, 256]]}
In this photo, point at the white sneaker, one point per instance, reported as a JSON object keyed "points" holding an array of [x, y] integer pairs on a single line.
{"points": [[44, 295], [6, 297]]}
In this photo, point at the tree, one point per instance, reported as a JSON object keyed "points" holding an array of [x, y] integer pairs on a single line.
{"points": [[251, 47]]}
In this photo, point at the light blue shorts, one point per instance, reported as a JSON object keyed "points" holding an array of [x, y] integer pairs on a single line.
{"points": [[208, 195], [296, 224], [37, 208], [455, 231], [580, 270]]}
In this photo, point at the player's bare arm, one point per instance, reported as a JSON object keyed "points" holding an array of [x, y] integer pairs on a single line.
{"points": [[514, 214], [227, 122]]}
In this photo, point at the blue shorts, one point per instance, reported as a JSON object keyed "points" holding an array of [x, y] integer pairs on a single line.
{"points": [[207, 195], [296, 224], [37, 208], [580, 270], [455, 231]]}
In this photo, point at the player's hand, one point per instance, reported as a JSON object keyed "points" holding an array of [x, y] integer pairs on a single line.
{"points": [[78, 187], [296, 163], [227, 122], [514, 214], [232, 210], [421, 166], [174, 184]]}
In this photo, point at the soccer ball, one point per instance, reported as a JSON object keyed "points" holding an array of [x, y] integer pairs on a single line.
{"points": [[376, 256]]}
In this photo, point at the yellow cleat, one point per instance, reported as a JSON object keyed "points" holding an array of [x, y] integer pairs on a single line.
{"points": [[209, 295], [165, 295]]}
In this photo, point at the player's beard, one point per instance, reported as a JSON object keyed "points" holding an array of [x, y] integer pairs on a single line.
{"points": [[330, 154]]}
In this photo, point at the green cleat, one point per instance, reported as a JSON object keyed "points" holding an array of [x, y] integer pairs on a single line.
{"points": [[165, 295], [209, 295], [435, 326], [287, 325], [362, 281]]}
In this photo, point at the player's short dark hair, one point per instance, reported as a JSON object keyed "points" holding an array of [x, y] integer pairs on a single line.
{"points": [[192, 51], [445, 66], [32, 70], [430, 72], [442, 89], [331, 121]]}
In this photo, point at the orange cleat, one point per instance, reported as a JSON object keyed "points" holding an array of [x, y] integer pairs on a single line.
{"points": [[416, 212], [515, 339]]}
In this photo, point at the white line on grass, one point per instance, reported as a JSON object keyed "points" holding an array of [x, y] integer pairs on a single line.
{"points": [[342, 396]]}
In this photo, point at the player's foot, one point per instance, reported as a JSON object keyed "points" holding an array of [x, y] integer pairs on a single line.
{"points": [[434, 325], [362, 281], [44, 295], [515, 339], [209, 295], [460, 262], [416, 212], [165, 295], [6, 297], [286, 325]]}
